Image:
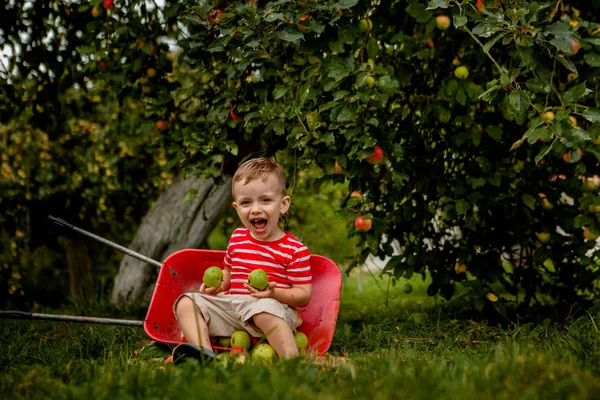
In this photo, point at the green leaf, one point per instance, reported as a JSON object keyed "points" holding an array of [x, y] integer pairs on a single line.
{"points": [[372, 48], [519, 100], [567, 63], [346, 115], [280, 92], [451, 87], [343, 4], [459, 20], [289, 33], [346, 34], [495, 132], [536, 134], [461, 97], [462, 206], [495, 179], [575, 93], [592, 59], [562, 44], [433, 4], [581, 220], [485, 29], [389, 85], [576, 135], [473, 91], [529, 201], [591, 114], [373, 121], [545, 150], [491, 42]]}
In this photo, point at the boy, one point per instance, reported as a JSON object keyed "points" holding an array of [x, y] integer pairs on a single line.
{"points": [[260, 198]]}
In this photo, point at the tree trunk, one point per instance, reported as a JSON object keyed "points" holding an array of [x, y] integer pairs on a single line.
{"points": [[170, 225], [80, 267]]}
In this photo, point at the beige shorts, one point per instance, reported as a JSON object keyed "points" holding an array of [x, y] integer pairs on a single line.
{"points": [[226, 314]]}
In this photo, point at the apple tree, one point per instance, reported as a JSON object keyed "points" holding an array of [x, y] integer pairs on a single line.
{"points": [[76, 142], [469, 128]]}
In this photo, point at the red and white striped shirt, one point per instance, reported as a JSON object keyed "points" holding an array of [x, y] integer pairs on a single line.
{"points": [[286, 261]]}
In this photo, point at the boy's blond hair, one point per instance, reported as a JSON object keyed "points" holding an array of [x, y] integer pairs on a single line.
{"points": [[259, 168]]}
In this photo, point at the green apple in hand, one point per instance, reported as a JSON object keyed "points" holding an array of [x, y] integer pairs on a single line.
{"points": [[213, 277], [258, 279]]}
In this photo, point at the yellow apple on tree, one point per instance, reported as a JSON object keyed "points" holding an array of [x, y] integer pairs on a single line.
{"points": [[337, 169], [543, 237], [461, 72], [548, 116], [442, 22]]}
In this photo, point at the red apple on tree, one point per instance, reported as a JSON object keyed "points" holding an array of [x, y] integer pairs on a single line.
{"points": [[214, 14], [356, 194], [376, 157], [161, 125], [302, 24], [363, 224], [575, 46], [108, 4]]}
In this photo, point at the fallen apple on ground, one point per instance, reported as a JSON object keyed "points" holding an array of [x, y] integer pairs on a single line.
{"points": [[241, 340], [263, 352], [301, 340]]}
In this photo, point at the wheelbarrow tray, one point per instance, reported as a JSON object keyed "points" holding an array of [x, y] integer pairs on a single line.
{"points": [[182, 271]]}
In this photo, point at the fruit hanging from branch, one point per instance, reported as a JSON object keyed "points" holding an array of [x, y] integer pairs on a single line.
{"points": [[376, 157]]}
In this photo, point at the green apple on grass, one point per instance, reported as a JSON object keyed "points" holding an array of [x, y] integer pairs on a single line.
{"points": [[241, 340], [301, 340], [263, 353]]}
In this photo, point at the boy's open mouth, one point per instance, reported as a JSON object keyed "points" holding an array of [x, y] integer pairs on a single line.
{"points": [[259, 224]]}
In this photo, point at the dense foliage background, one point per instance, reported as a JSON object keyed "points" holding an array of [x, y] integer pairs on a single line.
{"points": [[486, 113]]}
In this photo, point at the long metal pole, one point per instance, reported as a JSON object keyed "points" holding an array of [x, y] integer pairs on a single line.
{"points": [[70, 318], [115, 246]]}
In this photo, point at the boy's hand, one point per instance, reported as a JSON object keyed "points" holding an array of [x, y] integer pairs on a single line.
{"points": [[212, 290], [262, 294]]}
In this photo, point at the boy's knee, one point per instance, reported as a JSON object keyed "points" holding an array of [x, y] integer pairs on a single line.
{"points": [[184, 305]]}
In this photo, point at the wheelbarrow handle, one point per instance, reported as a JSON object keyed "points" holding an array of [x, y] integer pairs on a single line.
{"points": [[61, 222], [12, 314], [100, 239], [16, 314]]}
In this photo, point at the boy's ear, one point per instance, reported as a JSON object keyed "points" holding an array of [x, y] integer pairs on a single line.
{"points": [[285, 204], [234, 205]]}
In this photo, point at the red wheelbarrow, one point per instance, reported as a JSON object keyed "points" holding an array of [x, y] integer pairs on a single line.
{"points": [[182, 272]]}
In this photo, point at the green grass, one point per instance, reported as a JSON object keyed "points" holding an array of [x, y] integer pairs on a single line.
{"points": [[386, 351]]}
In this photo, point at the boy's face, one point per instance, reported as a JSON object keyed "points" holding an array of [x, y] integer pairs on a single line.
{"points": [[259, 203]]}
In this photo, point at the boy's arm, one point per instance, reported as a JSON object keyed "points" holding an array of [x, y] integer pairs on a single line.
{"points": [[296, 296]]}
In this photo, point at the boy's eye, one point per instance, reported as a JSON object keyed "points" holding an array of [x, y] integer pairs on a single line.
{"points": [[266, 200]]}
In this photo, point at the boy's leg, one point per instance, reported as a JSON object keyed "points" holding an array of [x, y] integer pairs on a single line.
{"points": [[192, 323], [278, 333]]}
